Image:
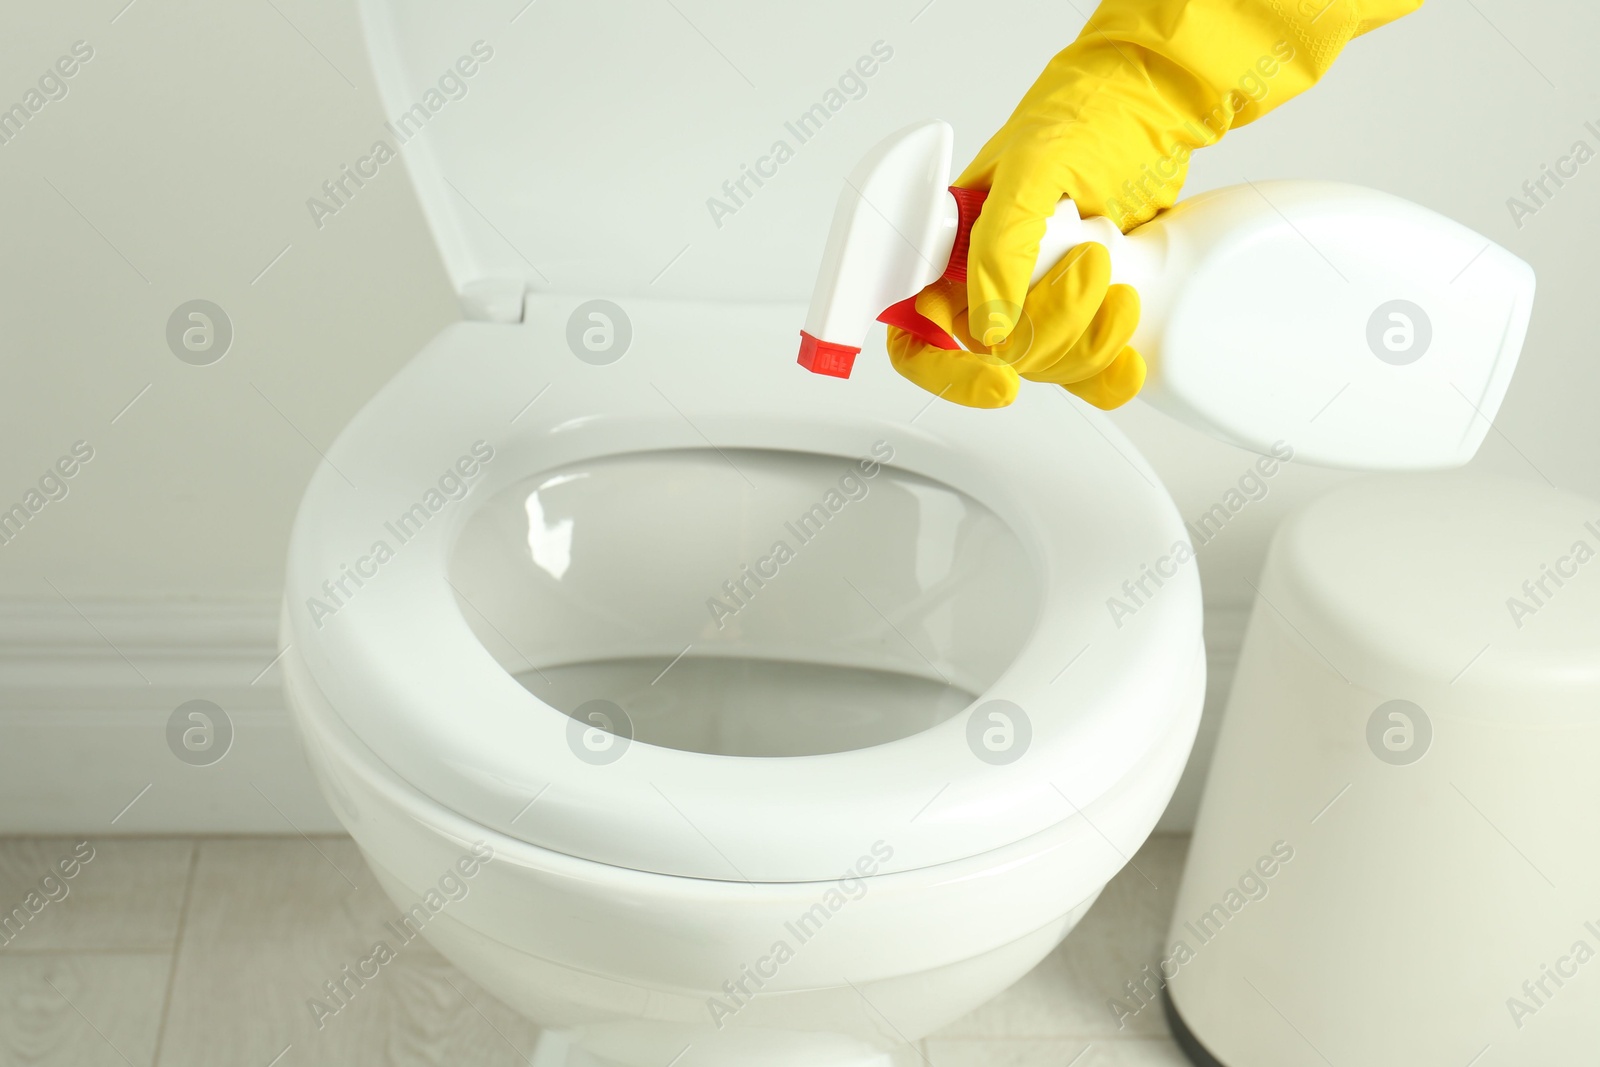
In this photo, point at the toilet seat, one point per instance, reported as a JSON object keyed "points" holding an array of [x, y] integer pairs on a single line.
{"points": [[409, 677]]}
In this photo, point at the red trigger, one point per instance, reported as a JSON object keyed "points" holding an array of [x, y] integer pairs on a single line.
{"points": [[904, 315]]}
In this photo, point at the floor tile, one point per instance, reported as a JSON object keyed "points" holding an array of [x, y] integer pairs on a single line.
{"points": [[125, 893], [80, 1009], [1067, 995], [1056, 1052], [269, 922]]}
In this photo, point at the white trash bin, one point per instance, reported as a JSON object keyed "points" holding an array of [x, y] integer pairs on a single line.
{"points": [[1397, 858]]}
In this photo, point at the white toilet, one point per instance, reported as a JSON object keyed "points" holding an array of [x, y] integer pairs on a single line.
{"points": [[809, 836], [789, 711]]}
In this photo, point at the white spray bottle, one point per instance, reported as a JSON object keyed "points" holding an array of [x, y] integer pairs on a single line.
{"points": [[1370, 332]]}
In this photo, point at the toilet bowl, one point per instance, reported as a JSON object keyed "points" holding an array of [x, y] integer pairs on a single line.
{"points": [[829, 813], [701, 710]]}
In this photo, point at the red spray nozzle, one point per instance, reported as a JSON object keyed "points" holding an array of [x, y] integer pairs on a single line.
{"points": [[825, 357]]}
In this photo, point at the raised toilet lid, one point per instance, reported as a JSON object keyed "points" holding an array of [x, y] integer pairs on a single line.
{"points": [[620, 148], [1062, 511]]}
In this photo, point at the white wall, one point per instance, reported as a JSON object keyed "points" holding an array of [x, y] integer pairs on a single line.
{"points": [[187, 147], [178, 166]]}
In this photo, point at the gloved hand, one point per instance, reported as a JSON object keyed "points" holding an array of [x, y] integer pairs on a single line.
{"points": [[1110, 123], [1074, 331]]}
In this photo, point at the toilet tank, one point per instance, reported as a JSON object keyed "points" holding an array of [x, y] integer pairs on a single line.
{"points": [[687, 148]]}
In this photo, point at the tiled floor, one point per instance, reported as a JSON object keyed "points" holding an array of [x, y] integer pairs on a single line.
{"points": [[179, 952]]}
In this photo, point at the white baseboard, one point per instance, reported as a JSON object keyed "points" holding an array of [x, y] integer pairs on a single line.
{"points": [[86, 690]]}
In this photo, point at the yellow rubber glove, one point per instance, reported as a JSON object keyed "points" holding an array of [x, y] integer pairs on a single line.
{"points": [[1110, 123]]}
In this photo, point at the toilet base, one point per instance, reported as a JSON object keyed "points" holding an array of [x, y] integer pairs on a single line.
{"points": [[1187, 1042], [554, 1049], [589, 1020]]}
